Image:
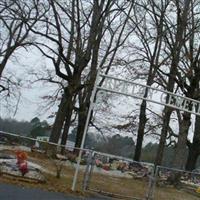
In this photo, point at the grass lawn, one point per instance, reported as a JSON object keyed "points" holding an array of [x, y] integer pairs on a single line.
{"points": [[123, 186]]}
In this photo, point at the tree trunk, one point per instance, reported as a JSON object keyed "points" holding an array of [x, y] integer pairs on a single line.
{"points": [[181, 148], [140, 135], [59, 120], [63, 115], [154, 65], [67, 124], [84, 97], [192, 157], [164, 131], [194, 147], [81, 125], [175, 53]]}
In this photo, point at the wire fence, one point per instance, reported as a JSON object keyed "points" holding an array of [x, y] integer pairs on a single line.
{"points": [[123, 178], [52, 166], [118, 176], [176, 184]]}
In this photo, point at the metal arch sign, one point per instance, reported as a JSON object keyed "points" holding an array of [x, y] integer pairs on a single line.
{"points": [[137, 90]]}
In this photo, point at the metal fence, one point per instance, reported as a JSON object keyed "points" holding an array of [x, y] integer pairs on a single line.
{"points": [[53, 166], [50, 166], [176, 184], [120, 177]]}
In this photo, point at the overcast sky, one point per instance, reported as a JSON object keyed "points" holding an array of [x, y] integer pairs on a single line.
{"points": [[31, 102]]}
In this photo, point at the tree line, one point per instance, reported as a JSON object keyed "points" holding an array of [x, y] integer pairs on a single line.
{"points": [[31, 129], [117, 144]]}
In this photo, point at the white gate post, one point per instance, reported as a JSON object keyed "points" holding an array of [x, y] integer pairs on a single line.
{"points": [[85, 132]]}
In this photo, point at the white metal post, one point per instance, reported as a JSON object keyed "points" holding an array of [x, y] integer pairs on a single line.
{"points": [[85, 132]]}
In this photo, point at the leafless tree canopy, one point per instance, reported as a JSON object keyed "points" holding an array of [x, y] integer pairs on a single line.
{"points": [[16, 18]]}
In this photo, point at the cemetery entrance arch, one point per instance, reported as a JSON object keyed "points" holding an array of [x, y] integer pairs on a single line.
{"points": [[135, 90]]}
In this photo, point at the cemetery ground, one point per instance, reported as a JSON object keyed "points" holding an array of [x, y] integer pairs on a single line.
{"points": [[103, 182]]}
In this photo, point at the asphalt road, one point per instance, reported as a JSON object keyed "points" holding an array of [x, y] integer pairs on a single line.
{"points": [[12, 192]]}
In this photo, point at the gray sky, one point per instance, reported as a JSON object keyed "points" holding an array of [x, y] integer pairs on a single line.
{"points": [[31, 102], [30, 93]]}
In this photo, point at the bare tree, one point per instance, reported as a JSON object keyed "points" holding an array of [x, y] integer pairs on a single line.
{"points": [[149, 22], [188, 82], [76, 30], [114, 34], [15, 34], [175, 39], [71, 28]]}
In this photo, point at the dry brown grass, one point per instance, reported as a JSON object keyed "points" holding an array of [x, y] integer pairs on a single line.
{"points": [[138, 188], [123, 186]]}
